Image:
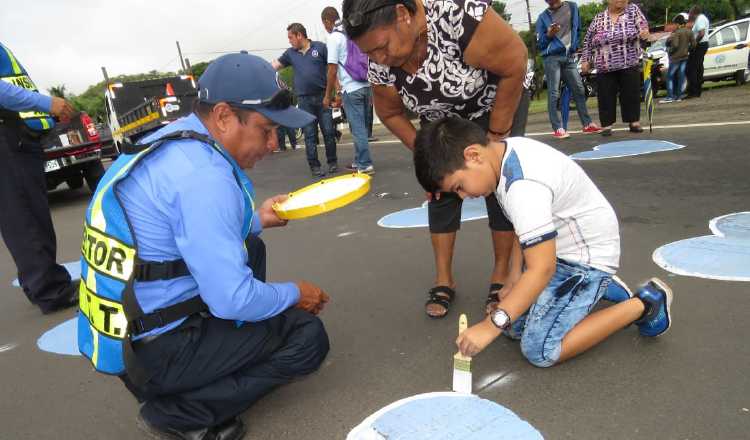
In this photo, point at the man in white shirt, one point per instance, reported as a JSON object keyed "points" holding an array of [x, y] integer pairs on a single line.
{"points": [[354, 92], [695, 60]]}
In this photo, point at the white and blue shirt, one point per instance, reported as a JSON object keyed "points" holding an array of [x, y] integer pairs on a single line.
{"points": [[701, 24], [183, 201], [546, 195]]}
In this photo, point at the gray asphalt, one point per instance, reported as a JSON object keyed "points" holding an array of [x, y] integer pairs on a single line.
{"points": [[691, 384]]}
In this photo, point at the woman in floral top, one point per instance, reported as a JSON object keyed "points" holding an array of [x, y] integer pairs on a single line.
{"points": [[612, 44]]}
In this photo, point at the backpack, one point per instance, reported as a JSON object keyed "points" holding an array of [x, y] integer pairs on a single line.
{"points": [[356, 62]]}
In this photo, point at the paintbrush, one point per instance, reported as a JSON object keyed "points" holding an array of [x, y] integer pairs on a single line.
{"points": [[461, 365]]}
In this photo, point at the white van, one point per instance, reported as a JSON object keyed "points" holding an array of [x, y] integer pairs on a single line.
{"points": [[728, 53]]}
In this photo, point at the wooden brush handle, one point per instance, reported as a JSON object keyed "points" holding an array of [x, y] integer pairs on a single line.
{"points": [[462, 323]]}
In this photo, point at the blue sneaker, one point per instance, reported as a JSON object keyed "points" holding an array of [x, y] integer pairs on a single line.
{"points": [[657, 297], [617, 291]]}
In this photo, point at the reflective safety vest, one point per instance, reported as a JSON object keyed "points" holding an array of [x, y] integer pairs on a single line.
{"points": [[11, 71], [109, 313]]}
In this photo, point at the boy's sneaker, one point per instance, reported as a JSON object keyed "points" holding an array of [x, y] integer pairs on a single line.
{"points": [[367, 170], [592, 129], [316, 172], [333, 168], [352, 167], [560, 133], [657, 297], [666, 101], [617, 291]]}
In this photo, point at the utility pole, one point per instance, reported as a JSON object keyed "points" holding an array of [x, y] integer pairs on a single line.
{"points": [[182, 61], [532, 52]]}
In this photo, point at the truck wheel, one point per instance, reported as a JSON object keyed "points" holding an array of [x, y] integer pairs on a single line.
{"points": [[75, 182], [93, 174]]}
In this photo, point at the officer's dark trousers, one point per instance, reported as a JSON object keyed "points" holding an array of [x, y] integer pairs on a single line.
{"points": [[25, 221], [210, 370]]}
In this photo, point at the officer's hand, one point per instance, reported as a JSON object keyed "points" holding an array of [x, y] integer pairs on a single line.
{"points": [[312, 299], [268, 217], [62, 109]]}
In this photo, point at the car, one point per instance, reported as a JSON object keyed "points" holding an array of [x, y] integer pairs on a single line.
{"points": [[73, 154], [728, 55]]}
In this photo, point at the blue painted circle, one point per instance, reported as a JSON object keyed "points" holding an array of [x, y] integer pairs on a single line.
{"points": [[73, 268], [445, 416], [63, 339], [471, 209], [626, 148]]}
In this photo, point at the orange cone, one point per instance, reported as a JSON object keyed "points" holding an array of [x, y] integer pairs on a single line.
{"points": [[170, 90]]}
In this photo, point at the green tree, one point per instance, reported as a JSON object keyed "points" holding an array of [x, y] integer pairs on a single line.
{"points": [[587, 13], [499, 7], [199, 68], [657, 11], [58, 90]]}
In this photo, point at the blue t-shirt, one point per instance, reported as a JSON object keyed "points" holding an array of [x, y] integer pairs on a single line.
{"points": [[310, 68]]}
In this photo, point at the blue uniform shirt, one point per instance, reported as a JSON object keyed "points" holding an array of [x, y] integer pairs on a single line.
{"points": [[183, 201], [310, 68]]}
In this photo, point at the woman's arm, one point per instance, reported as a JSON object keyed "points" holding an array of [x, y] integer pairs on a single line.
{"points": [[390, 109], [497, 48]]}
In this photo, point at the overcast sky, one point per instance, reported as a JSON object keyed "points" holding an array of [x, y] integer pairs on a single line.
{"points": [[67, 41]]}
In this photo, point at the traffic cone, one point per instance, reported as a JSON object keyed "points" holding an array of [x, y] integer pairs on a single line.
{"points": [[170, 90]]}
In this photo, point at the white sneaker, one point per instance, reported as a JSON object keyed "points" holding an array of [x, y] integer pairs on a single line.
{"points": [[367, 170]]}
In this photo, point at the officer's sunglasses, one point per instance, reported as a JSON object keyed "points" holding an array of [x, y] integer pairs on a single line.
{"points": [[355, 19]]}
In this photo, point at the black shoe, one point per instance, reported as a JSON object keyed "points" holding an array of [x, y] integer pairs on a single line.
{"points": [[316, 172], [372, 139], [606, 132], [68, 299], [333, 168], [233, 429], [636, 129]]}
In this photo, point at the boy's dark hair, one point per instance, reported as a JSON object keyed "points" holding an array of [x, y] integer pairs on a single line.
{"points": [[439, 149], [679, 19], [329, 13], [297, 28], [360, 16]]}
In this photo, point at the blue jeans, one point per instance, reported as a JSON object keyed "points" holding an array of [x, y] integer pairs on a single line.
{"points": [[368, 108], [313, 104], [568, 298], [355, 106], [555, 68], [676, 74], [282, 133]]}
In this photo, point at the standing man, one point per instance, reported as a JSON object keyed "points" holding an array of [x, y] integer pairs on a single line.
{"points": [[695, 59], [26, 223], [181, 309], [310, 62], [557, 35], [347, 67]]}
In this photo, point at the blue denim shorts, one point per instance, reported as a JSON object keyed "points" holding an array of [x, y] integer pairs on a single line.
{"points": [[568, 298]]}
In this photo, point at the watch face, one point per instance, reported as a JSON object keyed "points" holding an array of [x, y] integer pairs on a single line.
{"points": [[500, 318]]}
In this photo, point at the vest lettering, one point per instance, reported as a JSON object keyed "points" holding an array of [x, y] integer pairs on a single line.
{"points": [[117, 256], [100, 253]]}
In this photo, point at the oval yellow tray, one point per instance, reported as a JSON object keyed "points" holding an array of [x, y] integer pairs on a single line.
{"points": [[320, 201]]}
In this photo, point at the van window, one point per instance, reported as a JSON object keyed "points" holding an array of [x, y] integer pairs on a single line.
{"points": [[714, 40], [729, 35], [742, 27]]}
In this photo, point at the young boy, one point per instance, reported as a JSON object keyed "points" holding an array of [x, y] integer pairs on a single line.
{"points": [[679, 45], [569, 236]]}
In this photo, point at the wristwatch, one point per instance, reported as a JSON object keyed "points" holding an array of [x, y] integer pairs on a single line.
{"points": [[500, 318]]}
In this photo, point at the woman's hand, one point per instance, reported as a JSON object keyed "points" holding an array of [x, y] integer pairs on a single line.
{"points": [[644, 34], [268, 217], [585, 67]]}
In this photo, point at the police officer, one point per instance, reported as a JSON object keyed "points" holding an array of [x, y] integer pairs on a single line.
{"points": [[185, 316], [25, 221]]}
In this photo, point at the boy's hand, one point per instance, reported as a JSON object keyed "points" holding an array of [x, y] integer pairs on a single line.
{"points": [[553, 29], [477, 337]]}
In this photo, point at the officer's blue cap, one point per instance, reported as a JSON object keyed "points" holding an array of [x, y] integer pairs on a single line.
{"points": [[247, 81]]}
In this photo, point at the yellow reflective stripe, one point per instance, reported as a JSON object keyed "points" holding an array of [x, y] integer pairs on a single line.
{"points": [[16, 68], [721, 49], [105, 316], [106, 254], [97, 214], [45, 123], [95, 341], [144, 120]]}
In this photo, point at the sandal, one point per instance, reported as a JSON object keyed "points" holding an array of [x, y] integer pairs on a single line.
{"points": [[636, 128], [492, 298], [442, 296]]}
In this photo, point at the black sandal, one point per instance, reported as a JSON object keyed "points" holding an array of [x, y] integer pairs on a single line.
{"points": [[636, 128], [495, 289], [442, 296]]}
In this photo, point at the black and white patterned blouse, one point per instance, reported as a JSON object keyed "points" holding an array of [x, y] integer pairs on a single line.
{"points": [[444, 84]]}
